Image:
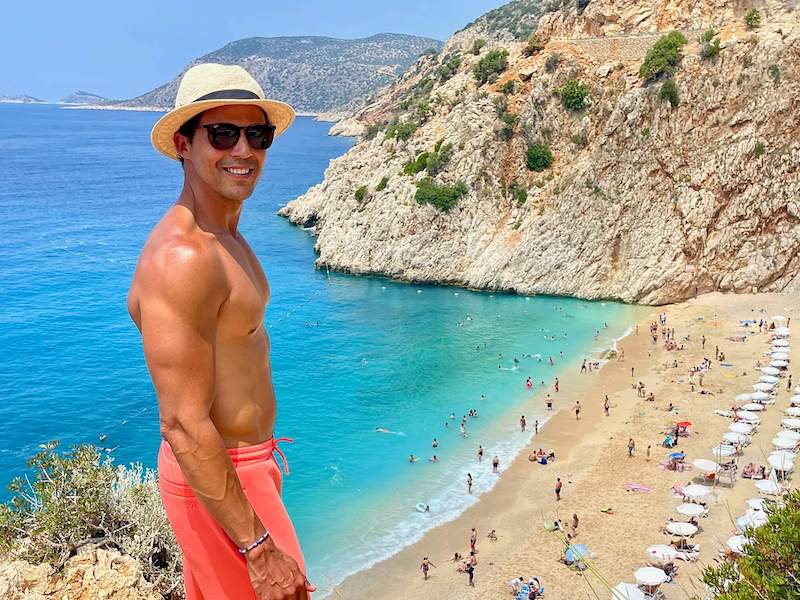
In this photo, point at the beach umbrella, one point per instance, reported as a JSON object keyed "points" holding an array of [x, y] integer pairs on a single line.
{"points": [[782, 332], [577, 553], [684, 424], [778, 318], [781, 343], [770, 371], [791, 423], [626, 591], [768, 379], [735, 438], [723, 450], [765, 486], [794, 400], [740, 427], [793, 411], [763, 387], [788, 434], [662, 553], [737, 543], [752, 518], [784, 443], [779, 356], [756, 503], [696, 491], [782, 460], [760, 396], [705, 465], [744, 397], [746, 415], [688, 509], [753, 406], [649, 576], [682, 529], [781, 364]]}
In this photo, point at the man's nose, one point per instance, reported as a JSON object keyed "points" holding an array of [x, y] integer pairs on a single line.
{"points": [[242, 148]]}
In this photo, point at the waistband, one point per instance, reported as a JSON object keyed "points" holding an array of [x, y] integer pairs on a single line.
{"points": [[245, 454]]}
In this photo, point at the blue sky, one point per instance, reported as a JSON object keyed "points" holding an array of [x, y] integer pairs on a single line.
{"points": [[121, 49]]}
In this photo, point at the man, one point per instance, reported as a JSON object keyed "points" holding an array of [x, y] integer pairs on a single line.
{"points": [[559, 485], [198, 297]]}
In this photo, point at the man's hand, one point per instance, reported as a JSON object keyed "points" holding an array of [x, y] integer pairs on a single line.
{"points": [[275, 575]]}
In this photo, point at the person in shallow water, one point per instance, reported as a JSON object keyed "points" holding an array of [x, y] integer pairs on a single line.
{"points": [[198, 297]]}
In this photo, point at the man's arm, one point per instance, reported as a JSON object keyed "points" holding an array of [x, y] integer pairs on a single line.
{"points": [[184, 286]]}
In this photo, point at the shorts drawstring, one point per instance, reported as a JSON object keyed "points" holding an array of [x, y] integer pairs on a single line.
{"points": [[275, 448]]}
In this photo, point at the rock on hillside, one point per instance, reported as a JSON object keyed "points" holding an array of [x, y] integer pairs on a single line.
{"points": [[313, 74], [643, 202]]}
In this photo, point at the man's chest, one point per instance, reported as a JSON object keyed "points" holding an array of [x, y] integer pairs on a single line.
{"points": [[243, 311]]}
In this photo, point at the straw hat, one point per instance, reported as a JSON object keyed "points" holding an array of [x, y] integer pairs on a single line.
{"points": [[207, 86]]}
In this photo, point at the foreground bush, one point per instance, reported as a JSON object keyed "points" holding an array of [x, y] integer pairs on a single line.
{"points": [[494, 63], [752, 19], [573, 94], [663, 57], [443, 197], [78, 498], [538, 157], [770, 568]]}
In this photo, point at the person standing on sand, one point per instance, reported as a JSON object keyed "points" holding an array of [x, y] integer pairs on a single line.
{"points": [[469, 569], [536, 427], [789, 383], [473, 539], [555, 384], [198, 297], [558, 488], [574, 528], [469, 483], [577, 410], [522, 423], [425, 567], [549, 402], [631, 447], [606, 405]]}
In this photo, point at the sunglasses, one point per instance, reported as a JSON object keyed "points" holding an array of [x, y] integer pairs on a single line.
{"points": [[224, 136]]}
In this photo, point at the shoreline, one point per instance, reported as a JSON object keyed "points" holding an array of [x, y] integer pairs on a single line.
{"points": [[593, 465]]}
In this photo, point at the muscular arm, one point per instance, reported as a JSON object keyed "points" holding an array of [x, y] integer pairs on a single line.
{"points": [[184, 285]]}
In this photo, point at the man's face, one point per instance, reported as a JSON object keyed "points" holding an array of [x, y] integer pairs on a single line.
{"points": [[231, 173]]}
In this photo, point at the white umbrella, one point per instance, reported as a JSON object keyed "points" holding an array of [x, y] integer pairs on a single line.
{"points": [[779, 356], [703, 464], [791, 423], [736, 543], [778, 318], [736, 438], [760, 396], [781, 364], [687, 509], [770, 371], [662, 553], [723, 450], [626, 591], [779, 464], [781, 343], [782, 332], [756, 503], [744, 397], [740, 427], [763, 387], [746, 415], [793, 411], [768, 379], [788, 434], [784, 443], [765, 486], [682, 529], [752, 518], [783, 455], [753, 406], [795, 399], [696, 491], [650, 576]]}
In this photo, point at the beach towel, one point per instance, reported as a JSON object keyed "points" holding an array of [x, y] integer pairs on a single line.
{"points": [[637, 487], [723, 413]]}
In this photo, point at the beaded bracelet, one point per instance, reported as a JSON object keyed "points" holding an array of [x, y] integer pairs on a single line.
{"points": [[258, 542]]}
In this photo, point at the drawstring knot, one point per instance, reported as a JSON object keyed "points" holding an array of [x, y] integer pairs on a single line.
{"points": [[275, 448]]}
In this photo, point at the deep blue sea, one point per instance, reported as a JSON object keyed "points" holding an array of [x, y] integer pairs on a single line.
{"points": [[79, 192]]}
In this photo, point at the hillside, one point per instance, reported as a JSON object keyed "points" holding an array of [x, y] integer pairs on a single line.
{"points": [[568, 171], [81, 97], [20, 99], [313, 74]]}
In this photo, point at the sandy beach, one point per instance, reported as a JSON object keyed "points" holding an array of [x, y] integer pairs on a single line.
{"points": [[593, 464]]}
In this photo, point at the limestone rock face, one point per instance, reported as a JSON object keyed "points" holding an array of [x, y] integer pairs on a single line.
{"points": [[643, 203], [93, 574]]}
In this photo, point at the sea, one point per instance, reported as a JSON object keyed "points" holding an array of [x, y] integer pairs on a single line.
{"points": [[80, 191]]}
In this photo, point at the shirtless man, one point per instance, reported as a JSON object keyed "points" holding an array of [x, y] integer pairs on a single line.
{"points": [[198, 297]]}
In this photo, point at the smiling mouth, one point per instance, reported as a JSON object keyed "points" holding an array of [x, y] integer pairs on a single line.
{"points": [[238, 171]]}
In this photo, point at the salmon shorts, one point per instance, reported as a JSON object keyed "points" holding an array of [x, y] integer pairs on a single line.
{"points": [[213, 568]]}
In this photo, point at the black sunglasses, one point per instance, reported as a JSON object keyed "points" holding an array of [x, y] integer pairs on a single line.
{"points": [[224, 136]]}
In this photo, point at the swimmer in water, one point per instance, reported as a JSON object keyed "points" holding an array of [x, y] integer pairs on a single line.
{"points": [[382, 430], [412, 458], [433, 459]]}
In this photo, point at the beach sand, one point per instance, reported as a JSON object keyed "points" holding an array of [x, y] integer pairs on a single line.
{"points": [[594, 467]]}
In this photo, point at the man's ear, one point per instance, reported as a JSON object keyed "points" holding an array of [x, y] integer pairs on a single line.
{"points": [[182, 144]]}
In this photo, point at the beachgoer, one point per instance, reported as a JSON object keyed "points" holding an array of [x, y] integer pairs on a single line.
{"points": [[577, 410], [469, 483], [480, 453], [425, 567], [549, 402], [412, 458], [473, 539], [648, 453], [605, 405], [583, 366], [558, 488], [536, 426], [492, 535], [555, 384], [198, 297], [631, 447], [528, 383], [574, 528], [495, 463], [631, 371], [434, 443], [522, 423], [469, 569]]}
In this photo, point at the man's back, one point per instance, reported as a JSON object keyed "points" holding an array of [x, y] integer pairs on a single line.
{"points": [[243, 403]]}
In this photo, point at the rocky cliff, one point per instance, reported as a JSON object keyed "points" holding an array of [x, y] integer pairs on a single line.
{"points": [[313, 74], [652, 194]]}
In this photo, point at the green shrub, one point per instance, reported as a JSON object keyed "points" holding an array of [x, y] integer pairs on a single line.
{"points": [[669, 91], [573, 94], [372, 130], [552, 62], [538, 157], [663, 57], [423, 110], [770, 565], [361, 193], [707, 36], [401, 131], [449, 67], [758, 150], [416, 165], [494, 63], [443, 197], [752, 19], [439, 158], [517, 193], [710, 50], [477, 45], [508, 87], [382, 184], [509, 121], [579, 139], [534, 45]]}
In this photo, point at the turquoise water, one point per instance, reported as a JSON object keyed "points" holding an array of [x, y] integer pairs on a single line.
{"points": [[80, 191]]}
